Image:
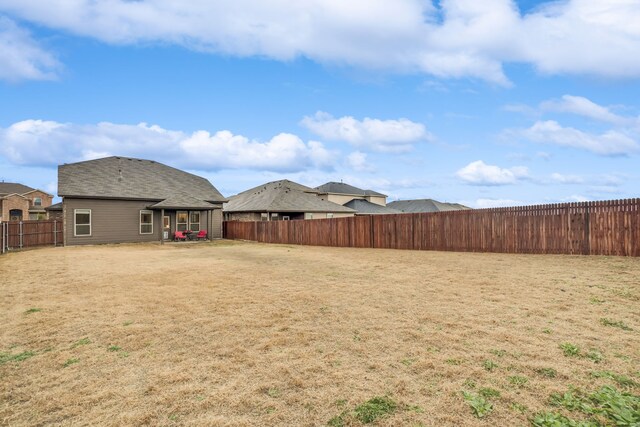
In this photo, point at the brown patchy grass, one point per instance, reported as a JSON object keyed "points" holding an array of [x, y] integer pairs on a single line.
{"points": [[231, 333]]}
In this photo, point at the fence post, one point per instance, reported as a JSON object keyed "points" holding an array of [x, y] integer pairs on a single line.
{"points": [[20, 232], [55, 233]]}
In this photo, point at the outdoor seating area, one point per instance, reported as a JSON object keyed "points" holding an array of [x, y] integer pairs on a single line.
{"points": [[188, 235]]}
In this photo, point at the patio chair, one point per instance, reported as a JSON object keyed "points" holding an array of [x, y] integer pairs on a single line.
{"points": [[202, 235], [179, 235]]}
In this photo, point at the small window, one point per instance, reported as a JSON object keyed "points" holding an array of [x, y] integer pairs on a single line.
{"points": [[194, 221], [146, 222], [166, 222], [37, 201], [264, 216], [285, 218], [15, 215], [274, 217], [329, 215], [182, 219], [82, 222]]}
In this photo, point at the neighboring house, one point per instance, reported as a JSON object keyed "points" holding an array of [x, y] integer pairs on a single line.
{"points": [[20, 203], [54, 211], [364, 202], [282, 200], [120, 199], [364, 207], [425, 205]]}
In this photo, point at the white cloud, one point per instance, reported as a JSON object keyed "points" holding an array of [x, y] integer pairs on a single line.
{"points": [[584, 107], [380, 135], [21, 57], [480, 173], [359, 163], [494, 203], [450, 38], [609, 143], [576, 198], [566, 179], [48, 143]]}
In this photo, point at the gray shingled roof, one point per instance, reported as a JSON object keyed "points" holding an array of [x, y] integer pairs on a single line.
{"points": [[364, 207], [127, 178], [183, 201], [54, 207], [342, 188], [281, 196], [425, 205], [13, 188]]}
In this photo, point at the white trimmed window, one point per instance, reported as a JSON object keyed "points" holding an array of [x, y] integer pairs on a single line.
{"points": [[82, 222], [264, 216], [182, 220], [194, 220], [146, 222], [37, 201]]}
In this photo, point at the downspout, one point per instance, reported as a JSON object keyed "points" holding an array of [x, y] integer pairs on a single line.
{"points": [[162, 226]]}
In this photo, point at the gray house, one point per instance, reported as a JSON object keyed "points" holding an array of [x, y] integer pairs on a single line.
{"points": [[425, 205], [282, 200], [364, 202], [120, 199]]}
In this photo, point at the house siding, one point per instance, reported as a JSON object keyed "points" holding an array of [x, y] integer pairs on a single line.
{"points": [[341, 199], [216, 227], [112, 221], [118, 221], [378, 200]]}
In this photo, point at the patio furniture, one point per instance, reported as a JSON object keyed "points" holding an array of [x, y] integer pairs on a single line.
{"points": [[188, 234], [179, 235], [202, 235]]}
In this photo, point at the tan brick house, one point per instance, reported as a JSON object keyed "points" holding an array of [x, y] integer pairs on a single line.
{"points": [[19, 202]]}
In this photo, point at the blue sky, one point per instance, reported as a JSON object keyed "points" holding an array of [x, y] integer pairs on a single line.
{"points": [[489, 103]]}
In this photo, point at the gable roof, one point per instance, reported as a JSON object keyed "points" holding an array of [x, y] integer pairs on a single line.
{"points": [[281, 196], [129, 178], [425, 205], [342, 188], [365, 207], [7, 188], [182, 201]]}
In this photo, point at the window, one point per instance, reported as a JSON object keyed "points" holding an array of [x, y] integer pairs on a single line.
{"points": [[37, 201], [194, 221], [274, 217], [15, 215], [182, 219], [285, 218], [166, 222], [82, 222], [264, 216], [329, 215], [146, 222]]}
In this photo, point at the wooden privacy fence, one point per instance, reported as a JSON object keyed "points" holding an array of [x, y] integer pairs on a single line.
{"points": [[27, 234], [588, 228]]}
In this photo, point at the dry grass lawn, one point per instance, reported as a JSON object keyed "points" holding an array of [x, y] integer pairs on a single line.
{"points": [[230, 333]]}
